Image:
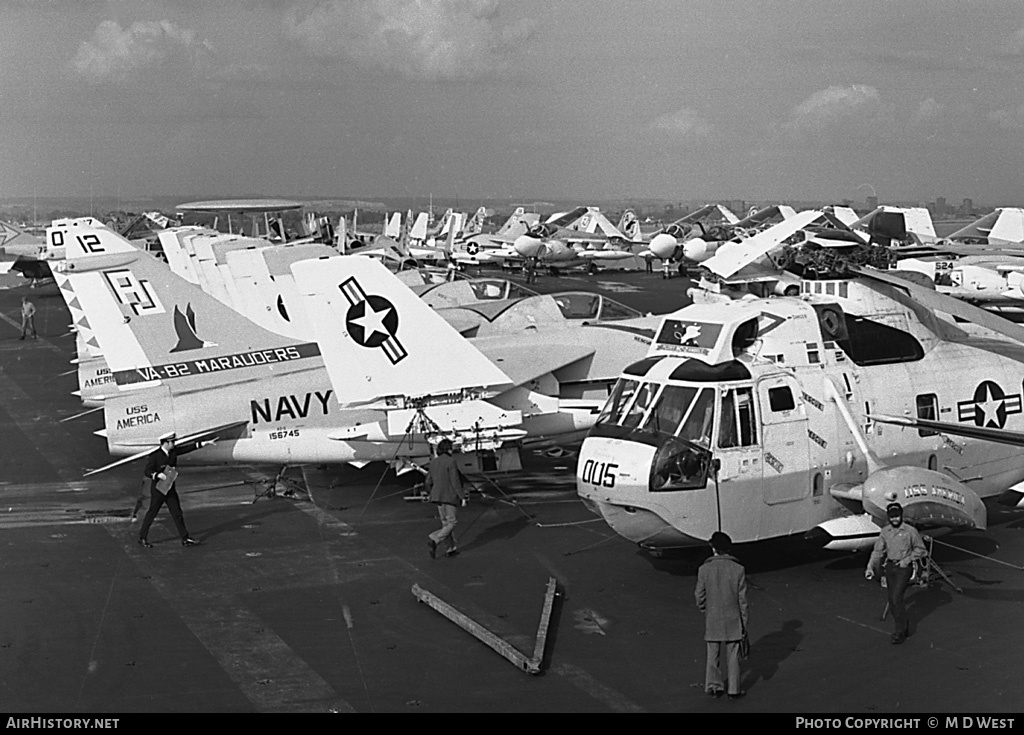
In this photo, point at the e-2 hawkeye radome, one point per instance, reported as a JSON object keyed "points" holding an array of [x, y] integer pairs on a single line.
{"points": [[763, 418]]}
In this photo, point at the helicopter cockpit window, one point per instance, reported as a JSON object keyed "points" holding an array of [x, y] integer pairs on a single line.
{"points": [[644, 397], [697, 426], [737, 427], [617, 401], [668, 412]]}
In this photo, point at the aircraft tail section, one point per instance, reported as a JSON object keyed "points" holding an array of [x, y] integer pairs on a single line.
{"points": [[341, 235], [418, 229], [382, 343], [513, 220], [629, 225], [95, 382], [476, 222], [393, 226], [155, 327]]}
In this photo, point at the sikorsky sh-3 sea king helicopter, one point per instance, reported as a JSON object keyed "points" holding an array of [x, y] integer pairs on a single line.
{"points": [[766, 418]]}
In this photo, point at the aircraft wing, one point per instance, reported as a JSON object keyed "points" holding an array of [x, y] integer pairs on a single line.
{"points": [[583, 238], [613, 254], [5, 266], [567, 218], [525, 362], [999, 436], [206, 435], [731, 257], [502, 239]]}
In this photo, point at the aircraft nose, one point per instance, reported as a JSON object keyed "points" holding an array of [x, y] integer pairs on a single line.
{"points": [[528, 247], [695, 250], [663, 246]]}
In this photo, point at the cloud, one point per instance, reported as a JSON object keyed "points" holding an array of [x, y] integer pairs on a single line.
{"points": [[684, 122], [115, 53], [419, 39], [829, 106], [1014, 45], [928, 110], [1008, 119]]}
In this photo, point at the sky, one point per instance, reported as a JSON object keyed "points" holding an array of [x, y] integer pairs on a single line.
{"points": [[519, 99]]}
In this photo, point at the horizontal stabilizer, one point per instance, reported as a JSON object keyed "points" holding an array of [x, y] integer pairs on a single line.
{"points": [[206, 435]]}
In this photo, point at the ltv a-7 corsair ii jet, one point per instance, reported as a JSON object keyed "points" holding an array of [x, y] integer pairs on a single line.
{"points": [[384, 379]]}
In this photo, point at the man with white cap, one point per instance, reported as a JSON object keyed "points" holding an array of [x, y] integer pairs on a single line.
{"points": [[160, 469], [900, 545]]}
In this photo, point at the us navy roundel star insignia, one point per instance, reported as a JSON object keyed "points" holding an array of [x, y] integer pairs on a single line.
{"points": [[990, 406], [372, 321]]}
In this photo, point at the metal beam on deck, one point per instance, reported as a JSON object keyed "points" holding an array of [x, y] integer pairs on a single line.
{"points": [[496, 642]]}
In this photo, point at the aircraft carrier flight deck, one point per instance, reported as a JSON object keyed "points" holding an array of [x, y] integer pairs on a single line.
{"points": [[297, 602]]}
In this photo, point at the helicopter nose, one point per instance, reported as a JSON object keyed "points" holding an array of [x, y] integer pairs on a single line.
{"points": [[528, 247], [663, 246]]}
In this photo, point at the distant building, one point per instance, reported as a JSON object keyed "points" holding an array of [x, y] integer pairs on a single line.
{"points": [[940, 206], [968, 207], [872, 203]]}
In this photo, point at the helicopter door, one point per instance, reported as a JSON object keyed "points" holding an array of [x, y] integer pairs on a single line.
{"points": [[786, 459]]}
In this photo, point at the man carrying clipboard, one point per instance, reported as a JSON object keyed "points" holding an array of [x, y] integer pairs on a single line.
{"points": [[162, 473]]}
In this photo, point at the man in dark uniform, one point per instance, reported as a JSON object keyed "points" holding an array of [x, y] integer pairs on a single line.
{"points": [[900, 545], [158, 464], [444, 483], [721, 595], [28, 318]]}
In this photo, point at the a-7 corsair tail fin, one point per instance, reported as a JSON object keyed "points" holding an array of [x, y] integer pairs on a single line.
{"points": [[381, 341], [155, 327]]}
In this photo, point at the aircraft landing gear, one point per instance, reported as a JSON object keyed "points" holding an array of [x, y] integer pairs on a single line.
{"points": [[280, 485]]}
